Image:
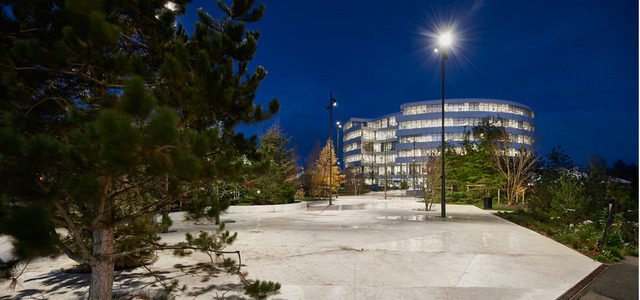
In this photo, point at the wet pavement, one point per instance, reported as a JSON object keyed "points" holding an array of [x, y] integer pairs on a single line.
{"points": [[371, 248], [359, 248]]}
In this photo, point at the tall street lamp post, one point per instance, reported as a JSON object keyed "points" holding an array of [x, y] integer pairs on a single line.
{"points": [[332, 103], [386, 179], [445, 41], [338, 126], [413, 165]]}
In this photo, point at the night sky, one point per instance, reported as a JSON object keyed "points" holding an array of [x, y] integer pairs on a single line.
{"points": [[575, 63]]}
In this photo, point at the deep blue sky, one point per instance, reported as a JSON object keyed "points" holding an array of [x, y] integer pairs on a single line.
{"points": [[575, 63]]}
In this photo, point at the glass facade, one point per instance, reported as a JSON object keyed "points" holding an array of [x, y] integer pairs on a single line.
{"points": [[468, 106], [400, 140], [467, 121]]}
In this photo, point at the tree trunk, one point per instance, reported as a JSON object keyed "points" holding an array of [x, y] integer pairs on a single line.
{"points": [[165, 217], [165, 210], [218, 204], [102, 268]]}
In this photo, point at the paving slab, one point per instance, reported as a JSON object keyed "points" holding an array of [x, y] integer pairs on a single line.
{"points": [[412, 254], [362, 248]]}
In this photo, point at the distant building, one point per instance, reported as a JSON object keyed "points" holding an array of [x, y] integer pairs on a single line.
{"points": [[416, 132]]}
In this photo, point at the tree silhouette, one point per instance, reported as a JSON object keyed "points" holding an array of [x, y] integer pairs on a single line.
{"points": [[110, 113]]}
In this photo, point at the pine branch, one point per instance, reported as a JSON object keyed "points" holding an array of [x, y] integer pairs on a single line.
{"points": [[147, 210], [159, 247], [164, 286], [100, 211], [14, 280], [185, 121], [56, 99], [142, 184], [68, 252], [84, 77], [75, 231], [133, 40]]}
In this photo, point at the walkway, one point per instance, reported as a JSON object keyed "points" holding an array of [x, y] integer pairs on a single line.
{"points": [[370, 248], [361, 248]]}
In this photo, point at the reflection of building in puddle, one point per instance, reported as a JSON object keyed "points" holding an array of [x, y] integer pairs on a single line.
{"points": [[455, 218], [344, 226], [409, 218], [413, 218]]}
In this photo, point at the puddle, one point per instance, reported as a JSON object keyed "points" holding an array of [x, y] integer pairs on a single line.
{"points": [[344, 226], [411, 218], [453, 218], [336, 207]]}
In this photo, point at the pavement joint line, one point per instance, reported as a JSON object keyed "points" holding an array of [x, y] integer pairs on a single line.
{"points": [[466, 269]]}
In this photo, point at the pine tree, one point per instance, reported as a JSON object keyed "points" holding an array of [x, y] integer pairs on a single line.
{"points": [[109, 113], [276, 183], [320, 173], [558, 160], [477, 174]]}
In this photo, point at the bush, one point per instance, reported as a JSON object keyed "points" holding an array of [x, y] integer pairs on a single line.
{"points": [[576, 205], [631, 252], [621, 239], [404, 185]]}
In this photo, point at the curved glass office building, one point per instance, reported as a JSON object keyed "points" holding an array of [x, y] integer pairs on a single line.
{"points": [[396, 141]]}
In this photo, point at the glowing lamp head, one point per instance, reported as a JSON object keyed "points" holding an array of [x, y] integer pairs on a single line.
{"points": [[446, 39]]}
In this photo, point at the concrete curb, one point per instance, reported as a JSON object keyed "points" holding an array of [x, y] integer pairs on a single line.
{"points": [[580, 286]]}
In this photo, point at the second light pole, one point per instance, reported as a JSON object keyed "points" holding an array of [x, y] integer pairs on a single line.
{"points": [[338, 126], [332, 103], [445, 41]]}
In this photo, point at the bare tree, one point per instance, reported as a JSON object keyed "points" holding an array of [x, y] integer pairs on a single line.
{"points": [[371, 171], [514, 160], [431, 176], [355, 179]]}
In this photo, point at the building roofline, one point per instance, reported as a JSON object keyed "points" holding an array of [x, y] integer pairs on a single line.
{"points": [[375, 119], [462, 100]]}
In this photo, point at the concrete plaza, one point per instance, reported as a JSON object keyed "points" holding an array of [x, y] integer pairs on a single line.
{"points": [[360, 248]]}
